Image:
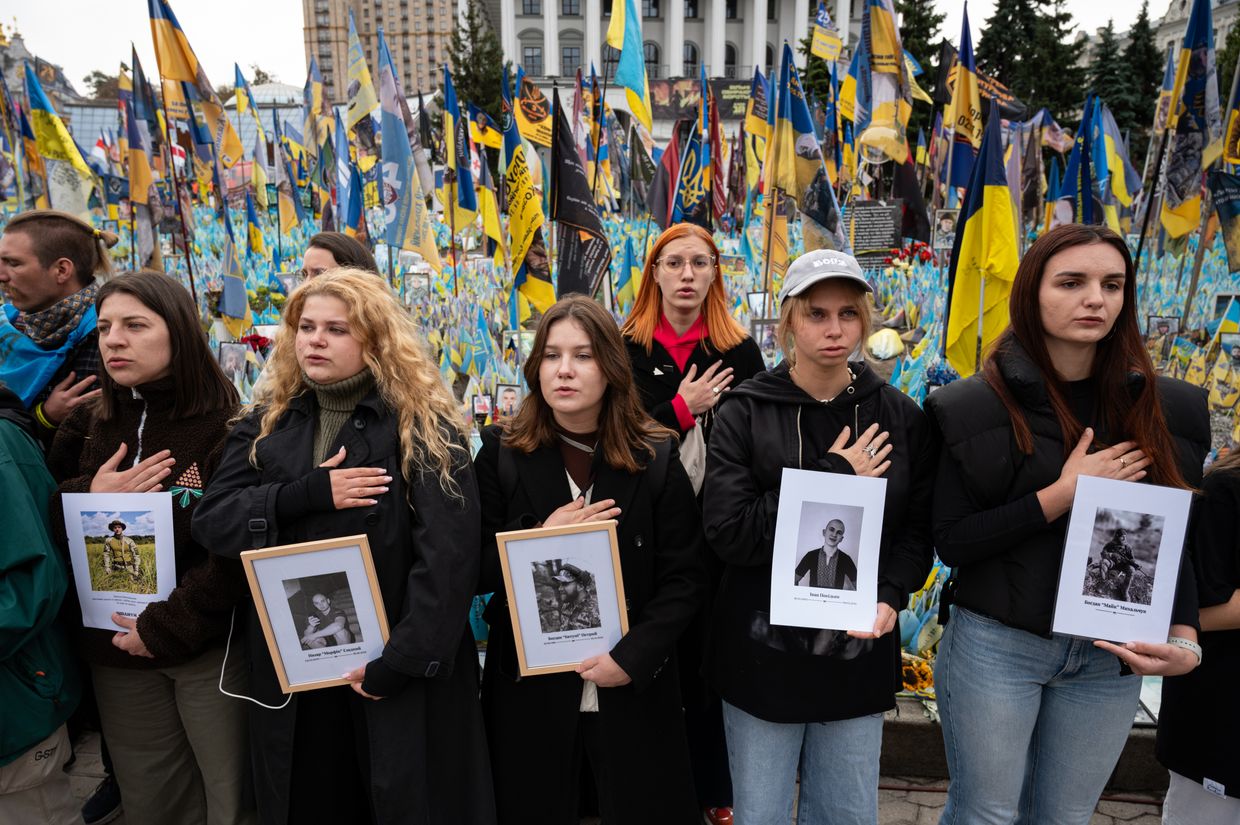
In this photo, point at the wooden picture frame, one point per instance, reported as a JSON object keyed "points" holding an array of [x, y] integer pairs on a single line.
{"points": [[565, 594], [329, 576]]}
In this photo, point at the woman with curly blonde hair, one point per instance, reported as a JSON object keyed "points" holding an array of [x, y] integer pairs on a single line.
{"points": [[354, 432]]}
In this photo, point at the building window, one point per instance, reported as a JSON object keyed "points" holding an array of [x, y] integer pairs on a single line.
{"points": [[690, 59], [607, 8], [770, 59], [691, 9], [650, 8], [650, 50], [531, 58], [729, 61], [570, 60], [570, 8], [611, 60], [531, 6], [730, 9], [770, 9]]}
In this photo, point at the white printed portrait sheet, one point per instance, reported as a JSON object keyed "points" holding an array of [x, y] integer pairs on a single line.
{"points": [[1121, 560], [824, 570], [123, 553]]}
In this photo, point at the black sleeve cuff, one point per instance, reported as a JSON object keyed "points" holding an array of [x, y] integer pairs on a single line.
{"points": [[310, 493], [382, 680]]}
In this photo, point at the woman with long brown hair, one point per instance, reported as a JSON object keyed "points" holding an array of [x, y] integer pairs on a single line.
{"points": [[1034, 722], [354, 432], [581, 449], [687, 350]]}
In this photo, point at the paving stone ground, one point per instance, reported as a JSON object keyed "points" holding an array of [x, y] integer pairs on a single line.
{"points": [[902, 800]]}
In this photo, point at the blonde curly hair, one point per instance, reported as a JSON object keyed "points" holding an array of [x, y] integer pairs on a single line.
{"points": [[428, 419]]}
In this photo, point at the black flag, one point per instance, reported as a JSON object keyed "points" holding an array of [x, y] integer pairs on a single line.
{"points": [[584, 256]]}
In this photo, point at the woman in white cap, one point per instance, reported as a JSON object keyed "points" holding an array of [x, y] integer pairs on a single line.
{"points": [[798, 698]]}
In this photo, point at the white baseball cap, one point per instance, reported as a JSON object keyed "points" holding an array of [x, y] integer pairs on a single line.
{"points": [[820, 265]]}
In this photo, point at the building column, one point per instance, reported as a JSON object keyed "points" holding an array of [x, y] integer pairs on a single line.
{"points": [[594, 37], [551, 37], [756, 21], [716, 24], [843, 17], [673, 57], [508, 31], [800, 24]]}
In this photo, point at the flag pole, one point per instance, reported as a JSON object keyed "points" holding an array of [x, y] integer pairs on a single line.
{"points": [[772, 212], [1155, 197], [602, 112], [176, 198], [1206, 206]]}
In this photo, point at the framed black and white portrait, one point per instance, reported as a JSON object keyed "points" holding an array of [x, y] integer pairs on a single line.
{"points": [[1121, 560], [824, 570], [565, 594], [320, 608]]}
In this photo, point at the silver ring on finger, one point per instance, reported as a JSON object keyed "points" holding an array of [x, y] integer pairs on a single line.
{"points": [[1123, 462], [872, 452], [715, 390]]}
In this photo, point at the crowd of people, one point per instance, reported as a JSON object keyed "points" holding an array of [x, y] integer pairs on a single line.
{"points": [[671, 425]]}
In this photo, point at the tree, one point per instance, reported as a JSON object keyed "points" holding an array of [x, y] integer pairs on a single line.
{"points": [[1226, 64], [1007, 45], [1144, 64], [1051, 76], [1112, 80], [102, 86], [477, 62]]}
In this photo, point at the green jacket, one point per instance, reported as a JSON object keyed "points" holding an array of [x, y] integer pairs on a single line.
{"points": [[39, 685]]}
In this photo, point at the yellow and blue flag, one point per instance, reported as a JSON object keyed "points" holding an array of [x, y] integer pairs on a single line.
{"points": [[407, 225], [531, 274], [288, 199], [69, 180], [984, 257], [1195, 123], [1163, 113], [460, 184], [245, 100], [963, 116], [317, 125], [179, 64], [1077, 195], [624, 34], [234, 305], [482, 129], [253, 229], [884, 83], [630, 280], [362, 97]]}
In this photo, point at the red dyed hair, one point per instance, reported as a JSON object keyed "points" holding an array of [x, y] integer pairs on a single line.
{"points": [[1119, 354], [722, 330]]}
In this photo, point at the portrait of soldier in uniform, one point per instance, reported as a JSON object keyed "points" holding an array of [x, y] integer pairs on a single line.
{"points": [[120, 552]]}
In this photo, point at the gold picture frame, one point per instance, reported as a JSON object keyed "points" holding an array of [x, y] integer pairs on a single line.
{"points": [[565, 591], [299, 587]]}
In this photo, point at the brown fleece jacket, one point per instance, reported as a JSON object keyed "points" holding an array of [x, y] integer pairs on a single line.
{"points": [[196, 614]]}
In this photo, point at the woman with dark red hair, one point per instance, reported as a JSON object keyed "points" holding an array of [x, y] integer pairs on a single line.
{"points": [[1033, 721], [686, 350]]}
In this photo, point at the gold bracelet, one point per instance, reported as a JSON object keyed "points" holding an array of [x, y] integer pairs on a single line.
{"points": [[41, 417]]}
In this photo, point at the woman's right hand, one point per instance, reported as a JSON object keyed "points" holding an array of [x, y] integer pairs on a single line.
{"points": [[354, 486], [703, 393], [868, 454], [1123, 462], [578, 512], [143, 477]]}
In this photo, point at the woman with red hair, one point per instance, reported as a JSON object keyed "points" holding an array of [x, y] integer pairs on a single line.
{"points": [[686, 350]]}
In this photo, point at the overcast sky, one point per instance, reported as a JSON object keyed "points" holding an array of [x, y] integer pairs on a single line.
{"points": [[83, 35]]}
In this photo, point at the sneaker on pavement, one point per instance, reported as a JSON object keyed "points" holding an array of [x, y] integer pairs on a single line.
{"points": [[104, 805]]}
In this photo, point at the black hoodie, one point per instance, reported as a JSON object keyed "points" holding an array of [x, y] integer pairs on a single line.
{"points": [[787, 674]]}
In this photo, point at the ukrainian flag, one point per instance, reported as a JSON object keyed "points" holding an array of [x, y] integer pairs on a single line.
{"points": [[178, 64], [984, 257], [317, 125], [630, 278], [234, 303], [1195, 122], [245, 100], [254, 230], [140, 176], [625, 35], [456, 147], [531, 284], [964, 113], [70, 191]]}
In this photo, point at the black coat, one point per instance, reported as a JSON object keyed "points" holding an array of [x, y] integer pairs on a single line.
{"points": [[646, 756], [989, 526], [428, 752], [658, 378], [792, 674]]}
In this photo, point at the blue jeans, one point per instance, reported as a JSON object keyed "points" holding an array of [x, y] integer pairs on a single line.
{"points": [[838, 763], [1033, 726]]}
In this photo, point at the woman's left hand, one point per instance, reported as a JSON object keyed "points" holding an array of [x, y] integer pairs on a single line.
{"points": [[883, 624], [355, 678], [603, 671], [130, 642], [1153, 659]]}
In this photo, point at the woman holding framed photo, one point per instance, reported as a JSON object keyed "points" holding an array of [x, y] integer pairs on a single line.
{"points": [[687, 350], [800, 698], [1034, 722], [581, 449], [178, 746], [354, 432]]}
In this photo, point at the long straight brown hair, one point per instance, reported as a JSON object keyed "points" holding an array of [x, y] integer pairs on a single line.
{"points": [[200, 384], [624, 428], [722, 330], [1120, 353]]}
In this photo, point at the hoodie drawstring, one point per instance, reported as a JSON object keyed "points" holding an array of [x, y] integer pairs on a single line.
{"points": [[141, 426]]}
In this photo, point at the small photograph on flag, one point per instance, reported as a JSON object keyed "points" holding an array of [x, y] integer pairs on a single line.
{"points": [[1229, 343]]}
